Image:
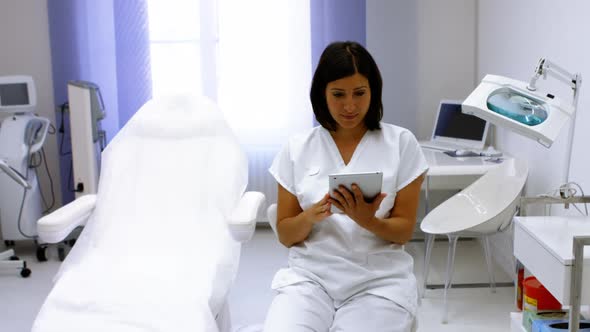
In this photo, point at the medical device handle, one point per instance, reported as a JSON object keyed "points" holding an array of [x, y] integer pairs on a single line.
{"points": [[13, 174], [40, 136]]}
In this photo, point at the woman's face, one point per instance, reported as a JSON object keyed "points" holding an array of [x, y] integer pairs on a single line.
{"points": [[348, 100]]}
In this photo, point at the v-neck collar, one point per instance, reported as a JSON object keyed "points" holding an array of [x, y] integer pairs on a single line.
{"points": [[336, 153]]}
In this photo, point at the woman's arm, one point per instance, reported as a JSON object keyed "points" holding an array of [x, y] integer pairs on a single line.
{"points": [[293, 223], [399, 226]]}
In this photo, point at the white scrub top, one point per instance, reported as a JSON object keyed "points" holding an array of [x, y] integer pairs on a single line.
{"points": [[338, 254]]}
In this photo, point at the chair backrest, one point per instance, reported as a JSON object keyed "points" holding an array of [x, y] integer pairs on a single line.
{"points": [[485, 206], [173, 169], [271, 214]]}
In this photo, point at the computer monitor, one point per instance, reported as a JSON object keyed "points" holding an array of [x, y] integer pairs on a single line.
{"points": [[17, 94], [457, 128]]}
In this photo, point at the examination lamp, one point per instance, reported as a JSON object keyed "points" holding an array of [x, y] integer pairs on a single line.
{"points": [[522, 107]]}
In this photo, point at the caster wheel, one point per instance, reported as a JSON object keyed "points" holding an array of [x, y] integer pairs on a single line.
{"points": [[14, 258], [42, 254], [61, 253], [25, 272]]}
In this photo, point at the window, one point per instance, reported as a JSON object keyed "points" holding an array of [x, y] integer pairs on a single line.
{"points": [[253, 57]]}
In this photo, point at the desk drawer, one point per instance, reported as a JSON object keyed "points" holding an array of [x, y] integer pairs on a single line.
{"points": [[549, 270]]}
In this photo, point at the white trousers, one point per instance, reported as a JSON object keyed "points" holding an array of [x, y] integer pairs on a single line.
{"points": [[306, 307]]}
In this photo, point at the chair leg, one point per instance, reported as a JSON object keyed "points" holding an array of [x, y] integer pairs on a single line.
{"points": [[488, 255], [428, 243], [450, 267]]}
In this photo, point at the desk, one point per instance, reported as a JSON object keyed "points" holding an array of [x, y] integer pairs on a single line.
{"points": [[544, 245], [442, 164], [446, 172]]}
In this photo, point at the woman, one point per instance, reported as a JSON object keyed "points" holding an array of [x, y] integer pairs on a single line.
{"points": [[349, 271]]}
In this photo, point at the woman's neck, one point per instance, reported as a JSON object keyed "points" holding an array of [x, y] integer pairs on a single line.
{"points": [[352, 134]]}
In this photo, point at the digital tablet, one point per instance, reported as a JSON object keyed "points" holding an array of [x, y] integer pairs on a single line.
{"points": [[369, 183]]}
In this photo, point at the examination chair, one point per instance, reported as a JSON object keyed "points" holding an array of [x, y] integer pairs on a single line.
{"points": [[161, 239], [484, 208]]}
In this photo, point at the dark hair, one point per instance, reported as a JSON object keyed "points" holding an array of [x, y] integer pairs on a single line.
{"points": [[339, 60]]}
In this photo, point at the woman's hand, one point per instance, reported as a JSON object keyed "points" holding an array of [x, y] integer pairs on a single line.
{"points": [[319, 211], [353, 204]]}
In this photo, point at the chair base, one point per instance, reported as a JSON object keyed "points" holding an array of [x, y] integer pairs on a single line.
{"points": [[8, 261], [453, 238]]}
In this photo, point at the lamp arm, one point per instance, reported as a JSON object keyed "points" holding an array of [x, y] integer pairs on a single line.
{"points": [[546, 67]]}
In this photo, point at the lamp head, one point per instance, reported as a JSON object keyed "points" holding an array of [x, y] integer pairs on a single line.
{"points": [[510, 103]]}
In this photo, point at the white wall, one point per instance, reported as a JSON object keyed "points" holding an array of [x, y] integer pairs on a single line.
{"points": [[426, 52], [529, 30], [512, 36], [391, 39], [24, 36], [446, 55]]}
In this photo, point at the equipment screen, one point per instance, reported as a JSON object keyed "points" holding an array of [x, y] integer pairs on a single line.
{"points": [[14, 94]]}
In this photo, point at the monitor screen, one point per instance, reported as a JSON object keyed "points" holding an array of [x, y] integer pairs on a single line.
{"points": [[14, 94], [455, 124]]}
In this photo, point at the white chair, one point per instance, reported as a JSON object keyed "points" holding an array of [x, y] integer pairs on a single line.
{"points": [[483, 208], [271, 214], [161, 240]]}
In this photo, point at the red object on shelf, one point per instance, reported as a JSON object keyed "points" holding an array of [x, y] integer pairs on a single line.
{"points": [[519, 288], [537, 297]]}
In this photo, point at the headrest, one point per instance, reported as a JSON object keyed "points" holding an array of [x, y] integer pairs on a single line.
{"points": [[179, 116]]}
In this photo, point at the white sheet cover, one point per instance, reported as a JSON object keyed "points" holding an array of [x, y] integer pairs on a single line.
{"points": [[156, 254]]}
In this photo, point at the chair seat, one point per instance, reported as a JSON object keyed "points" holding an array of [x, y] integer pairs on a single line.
{"points": [[486, 206]]}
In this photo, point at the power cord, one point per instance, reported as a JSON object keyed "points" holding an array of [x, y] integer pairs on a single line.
{"points": [[48, 207], [565, 191], [62, 130], [22, 204]]}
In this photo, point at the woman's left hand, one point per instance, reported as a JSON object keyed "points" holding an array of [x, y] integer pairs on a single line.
{"points": [[353, 204]]}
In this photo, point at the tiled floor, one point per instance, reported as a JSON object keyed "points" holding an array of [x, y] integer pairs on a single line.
{"points": [[469, 309]]}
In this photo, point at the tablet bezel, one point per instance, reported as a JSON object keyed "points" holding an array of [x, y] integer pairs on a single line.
{"points": [[370, 184]]}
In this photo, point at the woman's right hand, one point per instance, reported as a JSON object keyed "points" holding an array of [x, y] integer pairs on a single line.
{"points": [[318, 211]]}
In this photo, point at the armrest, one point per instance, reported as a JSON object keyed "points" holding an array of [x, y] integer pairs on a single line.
{"points": [[242, 221], [56, 226]]}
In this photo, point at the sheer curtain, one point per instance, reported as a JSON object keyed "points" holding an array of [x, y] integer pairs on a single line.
{"points": [[252, 57]]}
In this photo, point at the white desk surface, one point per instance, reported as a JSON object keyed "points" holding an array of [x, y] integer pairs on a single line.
{"points": [[556, 234], [544, 245], [441, 164]]}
